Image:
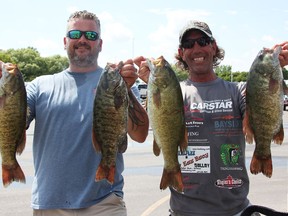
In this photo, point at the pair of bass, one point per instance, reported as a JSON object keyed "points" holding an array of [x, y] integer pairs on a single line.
{"points": [[110, 119]]}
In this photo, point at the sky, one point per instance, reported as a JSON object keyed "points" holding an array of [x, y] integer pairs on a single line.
{"points": [[149, 28]]}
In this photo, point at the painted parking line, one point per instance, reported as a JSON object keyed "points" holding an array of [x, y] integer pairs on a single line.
{"points": [[151, 208]]}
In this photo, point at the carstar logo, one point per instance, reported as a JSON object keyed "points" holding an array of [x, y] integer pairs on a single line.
{"points": [[229, 183]]}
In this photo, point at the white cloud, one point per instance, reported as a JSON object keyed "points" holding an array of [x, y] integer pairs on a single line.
{"points": [[47, 47], [72, 9], [112, 29], [231, 12], [268, 38], [164, 40]]}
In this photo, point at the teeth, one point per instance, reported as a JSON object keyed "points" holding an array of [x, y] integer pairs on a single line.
{"points": [[199, 59]]}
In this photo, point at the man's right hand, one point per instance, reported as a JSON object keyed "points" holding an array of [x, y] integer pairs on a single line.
{"points": [[143, 72], [283, 56]]}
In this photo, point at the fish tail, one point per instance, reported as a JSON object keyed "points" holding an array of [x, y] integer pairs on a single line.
{"points": [[105, 172], [12, 173], [172, 178], [261, 164]]}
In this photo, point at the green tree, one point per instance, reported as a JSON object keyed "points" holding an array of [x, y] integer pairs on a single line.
{"points": [[285, 73], [4, 56], [224, 72], [56, 64], [181, 74], [223, 69], [241, 77], [31, 64]]}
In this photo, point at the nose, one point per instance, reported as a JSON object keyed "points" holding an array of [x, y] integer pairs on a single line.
{"points": [[196, 45], [82, 38]]}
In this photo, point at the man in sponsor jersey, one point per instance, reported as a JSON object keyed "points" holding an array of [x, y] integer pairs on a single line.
{"points": [[213, 166]]}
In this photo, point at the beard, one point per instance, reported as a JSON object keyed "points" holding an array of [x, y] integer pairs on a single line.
{"points": [[84, 60]]}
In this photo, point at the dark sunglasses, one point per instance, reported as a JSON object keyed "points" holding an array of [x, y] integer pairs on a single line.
{"points": [[202, 41], [77, 34]]}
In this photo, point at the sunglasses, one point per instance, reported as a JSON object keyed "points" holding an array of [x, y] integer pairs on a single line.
{"points": [[77, 34], [202, 41]]}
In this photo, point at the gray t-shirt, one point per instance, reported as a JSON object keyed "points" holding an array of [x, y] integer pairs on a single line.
{"points": [[64, 158], [213, 167]]}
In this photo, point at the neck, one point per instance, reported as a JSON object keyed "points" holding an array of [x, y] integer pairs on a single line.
{"points": [[78, 69], [202, 77]]}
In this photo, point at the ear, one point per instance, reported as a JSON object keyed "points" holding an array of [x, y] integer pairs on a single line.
{"points": [[214, 47], [180, 52], [100, 45], [65, 42]]}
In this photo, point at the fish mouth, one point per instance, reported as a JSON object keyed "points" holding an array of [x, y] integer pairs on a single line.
{"points": [[157, 63], [11, 69], [277, 50], [268, 53]]}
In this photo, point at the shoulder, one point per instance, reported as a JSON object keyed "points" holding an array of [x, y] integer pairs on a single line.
{"points": [[44, 78], [43, 81], [235, 85]]}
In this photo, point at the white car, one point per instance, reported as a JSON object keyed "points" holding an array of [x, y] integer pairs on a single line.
{"points": [[142, 90], [285, 101]]}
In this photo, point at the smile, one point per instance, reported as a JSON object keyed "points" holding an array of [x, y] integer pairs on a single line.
{"points": [[198, 59]]}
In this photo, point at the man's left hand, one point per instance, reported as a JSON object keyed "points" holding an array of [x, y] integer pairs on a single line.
{"points": [[129, 73]]}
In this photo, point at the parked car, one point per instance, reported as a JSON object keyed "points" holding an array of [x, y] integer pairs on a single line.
{"points": [[142, 90], [285, 101]]}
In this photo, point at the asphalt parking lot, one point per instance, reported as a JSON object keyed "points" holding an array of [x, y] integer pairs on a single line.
{"points": [[142, 175]]}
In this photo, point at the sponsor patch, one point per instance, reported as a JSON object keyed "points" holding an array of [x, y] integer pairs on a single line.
{"points": [[229, 183], [230, 154], [196, 159]]}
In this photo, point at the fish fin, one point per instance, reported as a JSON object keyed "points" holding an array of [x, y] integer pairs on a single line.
{"points": [[96, 145], [156, 149], [12, 173], [157, 98], [111, 174], [105, 172], [22, 143], [28, 113], [247, 130], [122, 147], [184, 142], [172, 178], [261, 164], [2, 101], [118, 101], [273, 86], [279, 137]]}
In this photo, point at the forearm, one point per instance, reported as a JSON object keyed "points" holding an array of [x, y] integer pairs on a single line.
{"points": [[138, 123]]}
